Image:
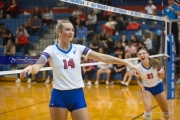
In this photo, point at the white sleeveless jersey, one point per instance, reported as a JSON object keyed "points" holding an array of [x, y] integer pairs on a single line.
{"points": [[149, 76], [66, 65]]}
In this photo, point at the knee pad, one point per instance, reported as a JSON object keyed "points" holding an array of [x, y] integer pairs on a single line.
{"points": [[166, 114], [147, 115]]}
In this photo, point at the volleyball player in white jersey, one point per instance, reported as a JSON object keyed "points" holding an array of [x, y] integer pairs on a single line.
{"points": [[65, 58], [150, 81]]}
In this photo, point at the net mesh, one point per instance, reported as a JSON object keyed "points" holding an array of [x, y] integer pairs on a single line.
{"points": [[132, 26]]}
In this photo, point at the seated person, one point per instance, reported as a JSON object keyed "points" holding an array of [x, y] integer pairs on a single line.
{"points": [[36, 25], [9, 48], [110, 25], [49, 78], [95, 44], [22, 42], [48, 17], [12, 10], [117, 69], [87, 70], [129, 74], [81, 35], [103, 68]]}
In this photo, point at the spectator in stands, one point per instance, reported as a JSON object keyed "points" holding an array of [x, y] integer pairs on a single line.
{"points": [[103, 36], [121, 24], [95, 44], [110, 25], [49, 78], [36, 25], [6, 34], [21, 28], [151, 32], [81, 34], [117, 69], [123, 41], [77, 23], [91, 28], [74, 15], [130, 50], [147, 42], [109, 45], [48, 17], [1, 29], [82, 17], [1, 9], [28, 25], [37, 13], [119, 49], [49, 75], [12, 10], [134, 40], [129, 74], [22, 42], [150, 8], [93, 17], [141, 45], [88, 70], [103, 68], [172, 12], [9, 49]]}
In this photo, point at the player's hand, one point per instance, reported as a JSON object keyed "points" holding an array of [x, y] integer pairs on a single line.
{"points": [[142, 89], [134, 69], [28, 70], [161, 71]]}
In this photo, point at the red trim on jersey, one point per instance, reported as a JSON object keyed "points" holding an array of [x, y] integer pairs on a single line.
{"points": [[46, 54], [85, 51]]}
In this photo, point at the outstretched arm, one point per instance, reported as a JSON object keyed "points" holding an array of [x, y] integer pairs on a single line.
{"points": [[33, 69], [112, 60]]}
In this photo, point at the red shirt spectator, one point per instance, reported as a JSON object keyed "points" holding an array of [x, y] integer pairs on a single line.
{"points": [[13, 7], [1, 5], [22, 39]]}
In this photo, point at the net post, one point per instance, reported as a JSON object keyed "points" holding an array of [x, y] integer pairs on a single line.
{"points": [[170, 77]]}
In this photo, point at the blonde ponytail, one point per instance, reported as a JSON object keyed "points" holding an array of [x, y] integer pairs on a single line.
{"points": [[154, 62]]}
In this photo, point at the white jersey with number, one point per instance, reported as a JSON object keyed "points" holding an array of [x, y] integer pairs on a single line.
{"points": [[149, 76], [66, 65]]}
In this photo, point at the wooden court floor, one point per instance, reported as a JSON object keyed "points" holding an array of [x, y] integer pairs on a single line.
{"points": [[30, 102]]}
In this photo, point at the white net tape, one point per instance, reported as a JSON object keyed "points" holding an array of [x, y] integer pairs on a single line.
{"points": [[85, 64]]}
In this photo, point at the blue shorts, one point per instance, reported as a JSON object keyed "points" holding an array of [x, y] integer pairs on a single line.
{"points": [[156, 89], [70, 99]]}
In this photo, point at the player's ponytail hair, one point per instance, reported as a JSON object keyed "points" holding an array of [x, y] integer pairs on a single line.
{"points": [[153, 62], [59, 26]]}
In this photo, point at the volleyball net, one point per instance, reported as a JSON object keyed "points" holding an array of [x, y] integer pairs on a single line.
{"points": [[139, 24]]}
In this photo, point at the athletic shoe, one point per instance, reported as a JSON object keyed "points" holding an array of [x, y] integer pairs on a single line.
{"points": [[18, 81], [47, 81], [96, 82], [29, 80], [126, 84], [89, 83], [107, 82], [122, 83]]}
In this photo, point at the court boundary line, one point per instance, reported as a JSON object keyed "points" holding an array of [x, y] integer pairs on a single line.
{"points": [[23, 107]]}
